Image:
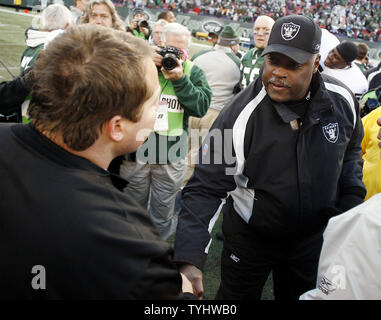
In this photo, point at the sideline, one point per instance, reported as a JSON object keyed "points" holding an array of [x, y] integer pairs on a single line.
{"points": [[19, 13], [200, 45]]}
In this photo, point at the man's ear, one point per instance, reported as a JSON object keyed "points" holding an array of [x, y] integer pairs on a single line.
{"points": [[316, 63], [114, 128]]}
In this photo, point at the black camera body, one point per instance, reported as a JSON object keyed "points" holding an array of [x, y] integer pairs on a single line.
{"points": [[369, 101], [170, 55], [143, 24], [369, 106]]}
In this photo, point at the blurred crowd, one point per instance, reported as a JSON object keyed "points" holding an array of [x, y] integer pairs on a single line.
{"points": [[358, 19]]}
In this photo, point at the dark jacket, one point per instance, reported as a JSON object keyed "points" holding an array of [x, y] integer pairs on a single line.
{"points": [[64, 213], [374, 77], [12, 95], [282, 182]]}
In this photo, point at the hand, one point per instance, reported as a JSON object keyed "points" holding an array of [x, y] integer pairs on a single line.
{"points": [[187, 285], [156, 57], [144, 30], [133, 24], [174, 74], [195, 277]]}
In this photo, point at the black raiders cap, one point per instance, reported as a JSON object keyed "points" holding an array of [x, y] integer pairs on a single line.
{"points": [[296, 36]]}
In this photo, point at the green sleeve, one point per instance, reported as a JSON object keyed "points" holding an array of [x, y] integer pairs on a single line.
{"points": [[193, 92], [138, 34], [235, 59], [247, 58], [30, 54]]}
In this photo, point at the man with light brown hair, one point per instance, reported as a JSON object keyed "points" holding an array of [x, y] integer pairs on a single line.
{"points": [[65, 212], [103, 12], [362, 49]]}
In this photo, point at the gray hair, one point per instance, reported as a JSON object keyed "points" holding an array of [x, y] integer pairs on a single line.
{"points": [[160, 22], [55, 16], [177, 29]]}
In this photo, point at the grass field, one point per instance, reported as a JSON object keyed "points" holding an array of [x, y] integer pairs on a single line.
{"points": [[12, 45], [12, 41]]}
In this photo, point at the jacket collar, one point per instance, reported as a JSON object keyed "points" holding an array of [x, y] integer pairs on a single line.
{"points": [[48, 149]]}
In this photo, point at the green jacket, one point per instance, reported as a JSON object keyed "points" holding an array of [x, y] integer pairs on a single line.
{"points": [[194, 95], [35, 41], [252, 62], [29, 57], [139, 34]]}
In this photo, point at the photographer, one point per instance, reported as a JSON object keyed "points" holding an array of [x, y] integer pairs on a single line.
{"points": [[139, 25], [155, 180]]}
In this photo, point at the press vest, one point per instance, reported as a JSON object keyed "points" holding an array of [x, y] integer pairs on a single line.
{"points": [[174, 108]]}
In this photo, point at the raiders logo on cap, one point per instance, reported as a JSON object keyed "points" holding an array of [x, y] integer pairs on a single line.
{"points": [[295, 36], [289, 31]]}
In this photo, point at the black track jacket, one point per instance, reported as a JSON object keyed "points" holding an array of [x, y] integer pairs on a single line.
{"points": [[281, 181]]}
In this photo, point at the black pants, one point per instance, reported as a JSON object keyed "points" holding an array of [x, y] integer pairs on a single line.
{"points": [[246, 264]]}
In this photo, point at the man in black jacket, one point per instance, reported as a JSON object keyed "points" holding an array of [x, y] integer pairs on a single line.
{"points": [[284, 156], [12, 95], [67, 229]]}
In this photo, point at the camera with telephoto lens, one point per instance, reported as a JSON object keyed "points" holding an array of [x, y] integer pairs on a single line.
{"points": [[143, 24], [170, 55]]}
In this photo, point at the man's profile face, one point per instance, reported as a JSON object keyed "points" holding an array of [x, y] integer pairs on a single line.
{"points": [[100, 14], [140, 130], [261, 30], [334, 60], [285, 79]]}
